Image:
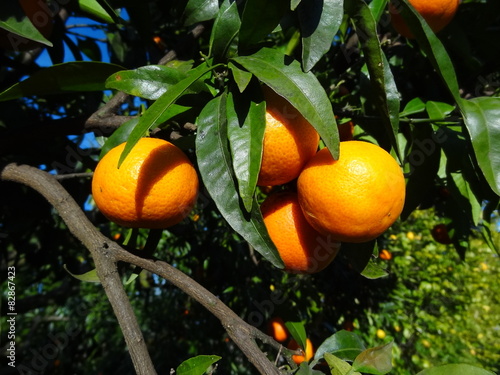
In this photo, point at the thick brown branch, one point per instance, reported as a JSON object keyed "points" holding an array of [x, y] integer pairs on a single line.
{"points": [[106, 253]]}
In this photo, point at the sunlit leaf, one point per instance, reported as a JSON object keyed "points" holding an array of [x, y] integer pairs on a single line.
{"points": [[462, 369], [197, 365], [376, 361], [89, 277], [95, 9], [338, 366], [343, 344], [298, 332], [200, 10], [215, 164]]}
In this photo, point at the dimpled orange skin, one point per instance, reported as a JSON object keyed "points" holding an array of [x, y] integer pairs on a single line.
{"points": [[289, 142], [156, 186], [437, 14], [302, 249], [355, 198]]}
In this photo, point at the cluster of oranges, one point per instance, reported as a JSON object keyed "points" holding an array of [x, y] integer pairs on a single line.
{"points": [[352, 199]]}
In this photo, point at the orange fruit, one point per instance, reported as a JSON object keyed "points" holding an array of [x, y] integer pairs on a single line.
{"points": [[289, 142], [309, 351], [440, 234], [40, 15], [155, 187], [385, 255], [355, 198], [277, 329], [301, 247], [437, 14]]}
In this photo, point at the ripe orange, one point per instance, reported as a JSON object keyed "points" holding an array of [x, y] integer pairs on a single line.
{"points": [[309, 351], [437, 14], [289, 142], [385, 255], [40, 15], [355, 198], [440, 234], [277, 329], [155, 187], [302, 248]]}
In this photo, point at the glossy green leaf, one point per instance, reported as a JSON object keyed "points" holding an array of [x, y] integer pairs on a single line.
{"points": [[20, 28], [376, 361], [319, 22], [95, 9], [438, 110], [343, 344], [66, 77], [246, 125], [416, 105], [373, 271], [383, 86], [268, 14], [200, 10], [149, 82], [303, 90], [298, 332], [423, 160], [224, 37], [456, 369], [215, 164], [468, 200], [241, 77], [432, 47], [155, 113], [338, 366], [197, 365], [482, 119], [88, 277], [378, 7]]}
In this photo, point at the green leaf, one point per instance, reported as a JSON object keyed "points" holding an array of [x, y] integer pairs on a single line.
{"points": [[302, 90], [200, 10], [319, 22], [90, 48], [458, 369], [378, 7], [88, 277], [156, 112], [259, 19], [438, 110], [119, 136], [149, 82], [13, 19], [66, 77], [423, 160], [416, 105], [298, 332], [482, 119], [373, 271], [376, 361], [358, 255], [343, 344], [214, 162], [95, 9], [383, 86], [224, 37], [246, 125], [241, 77], [197, 365], [468, 200], [294, 4], [338, 366], [432, 47]]}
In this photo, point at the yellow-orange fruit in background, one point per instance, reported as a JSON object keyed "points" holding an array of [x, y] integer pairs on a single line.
{"points": [[437, 14], [301, 247], [156, 186], [40, 15], [355, 198], [289, 142], [277, 329], [308, 350]]}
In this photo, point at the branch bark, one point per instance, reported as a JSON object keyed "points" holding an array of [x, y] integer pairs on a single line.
{"points": [[107, 253]]}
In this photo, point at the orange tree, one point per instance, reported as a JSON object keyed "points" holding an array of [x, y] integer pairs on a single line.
{"points": [[191, 72]]}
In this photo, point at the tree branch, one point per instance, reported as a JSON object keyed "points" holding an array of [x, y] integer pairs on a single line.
{"points": [[107, 253]]}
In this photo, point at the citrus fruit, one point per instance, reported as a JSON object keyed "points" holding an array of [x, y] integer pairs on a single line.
{"points": [[156, 186], [42, 18], [381, 334], [309, 351], [289, 142], [355, 198], [385, 255], [437, 14], [301, 247], [440, 234], [277, 329]]}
